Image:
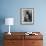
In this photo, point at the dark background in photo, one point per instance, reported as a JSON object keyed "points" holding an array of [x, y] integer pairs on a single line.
{"points": [[28, 16]]}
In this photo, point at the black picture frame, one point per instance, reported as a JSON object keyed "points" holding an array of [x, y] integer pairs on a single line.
{"points": [[27, 15]]}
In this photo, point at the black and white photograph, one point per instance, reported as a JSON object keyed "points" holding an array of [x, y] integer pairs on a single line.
{"points": [[27, 15]]}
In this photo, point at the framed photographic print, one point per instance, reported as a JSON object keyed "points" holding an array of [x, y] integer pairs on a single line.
{"points": [[27, 15]]}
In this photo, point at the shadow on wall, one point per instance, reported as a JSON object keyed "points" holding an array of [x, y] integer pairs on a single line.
{"points": [[2, 21], [1, 39]]}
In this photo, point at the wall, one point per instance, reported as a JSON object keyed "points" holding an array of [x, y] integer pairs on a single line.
{"points": [[11, 8]]}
